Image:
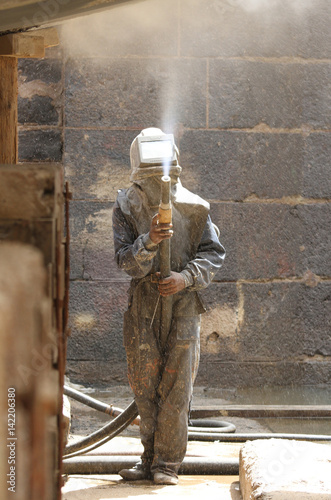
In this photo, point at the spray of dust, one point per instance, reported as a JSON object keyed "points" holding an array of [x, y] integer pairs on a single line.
{"points": [[114, 32], [151, 30], [166, 168], [269, 6], [144, 29]]}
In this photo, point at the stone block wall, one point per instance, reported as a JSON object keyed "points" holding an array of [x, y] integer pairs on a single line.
{"points": [[245, 87]]}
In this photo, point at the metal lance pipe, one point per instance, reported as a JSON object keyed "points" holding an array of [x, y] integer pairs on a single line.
{"points": [[165, 213], [106, 433]]}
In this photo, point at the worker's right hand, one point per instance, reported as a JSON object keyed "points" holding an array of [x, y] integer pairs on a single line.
{"points": [[159, 232]]}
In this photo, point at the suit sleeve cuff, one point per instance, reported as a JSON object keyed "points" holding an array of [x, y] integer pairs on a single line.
{"points": [[148, 244], [188, 278]]}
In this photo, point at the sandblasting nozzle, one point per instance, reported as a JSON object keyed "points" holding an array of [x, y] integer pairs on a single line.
{"points": [[165, 204]]}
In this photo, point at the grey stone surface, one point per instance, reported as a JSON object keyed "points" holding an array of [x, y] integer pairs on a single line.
{"points": [[270, 29], [103, 157], [97, 373], [37, 110], [241, 373], [262, 240], [40, 145], [317, 34], [96, 321], [316, 240], [46, 70], [271, 326], [109, 94], [220, 325], [316, 102], [276, 323], [232, 165], [317, 166], [92, 246], [244, 94], [315, 305], [40, 92], [317, 372], [267, 321]]}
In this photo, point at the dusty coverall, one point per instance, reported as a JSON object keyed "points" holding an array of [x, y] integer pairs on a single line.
{"points": [[162, 377]]}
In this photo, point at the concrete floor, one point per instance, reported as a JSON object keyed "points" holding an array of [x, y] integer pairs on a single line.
{"points": [[97, 487], [193, 487]]}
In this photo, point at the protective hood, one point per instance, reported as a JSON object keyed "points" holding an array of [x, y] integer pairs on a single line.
{"points": [[153, 153]]}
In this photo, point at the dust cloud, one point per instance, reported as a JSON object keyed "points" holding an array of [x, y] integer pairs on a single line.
{"points": [[150, 29], [153, 27], [118, 30], [269, 6], [144, 28]]}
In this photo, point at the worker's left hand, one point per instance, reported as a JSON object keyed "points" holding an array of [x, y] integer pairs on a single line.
{"points": [[168, 286]]}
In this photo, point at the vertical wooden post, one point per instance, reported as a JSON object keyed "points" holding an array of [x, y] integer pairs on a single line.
{"points": [[8, 110]]}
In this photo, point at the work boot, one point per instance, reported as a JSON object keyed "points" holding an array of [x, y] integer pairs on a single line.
{"points": [[136, 473], [163, 478]]}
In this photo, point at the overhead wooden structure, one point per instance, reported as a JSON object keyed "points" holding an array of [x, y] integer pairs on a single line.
{"points": [[22, 14], [30, 44]]}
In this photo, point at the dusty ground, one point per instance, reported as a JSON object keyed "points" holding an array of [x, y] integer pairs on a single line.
{"points": [[193, 487], [96, 487]]}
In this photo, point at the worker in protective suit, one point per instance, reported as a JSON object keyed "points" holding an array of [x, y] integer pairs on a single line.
{"points": [[161, 372]]}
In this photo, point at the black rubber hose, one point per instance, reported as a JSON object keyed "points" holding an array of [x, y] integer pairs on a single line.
{"points": [[93, 441], [106, 432], [210, 426], [123, 420], [202, 430], [194, 425], [112, 465], [115, 427], [86, 448], [110, 410]]}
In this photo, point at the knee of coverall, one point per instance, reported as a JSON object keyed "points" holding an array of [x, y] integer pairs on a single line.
{"points": [[176, 385]]}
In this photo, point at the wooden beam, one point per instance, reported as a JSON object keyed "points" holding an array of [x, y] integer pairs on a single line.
{"points": [[51, 36], [28, 44], [8, 110], [22, 45], [42, 182]]}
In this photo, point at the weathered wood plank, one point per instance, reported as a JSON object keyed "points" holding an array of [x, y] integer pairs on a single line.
{"points": [[22, 45], [8, 110], [28, 371], [51, 36], [36, 232], [38, 199], [31, 211]]}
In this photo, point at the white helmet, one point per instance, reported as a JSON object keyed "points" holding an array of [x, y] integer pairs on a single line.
{"points": [[152, 153]]}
